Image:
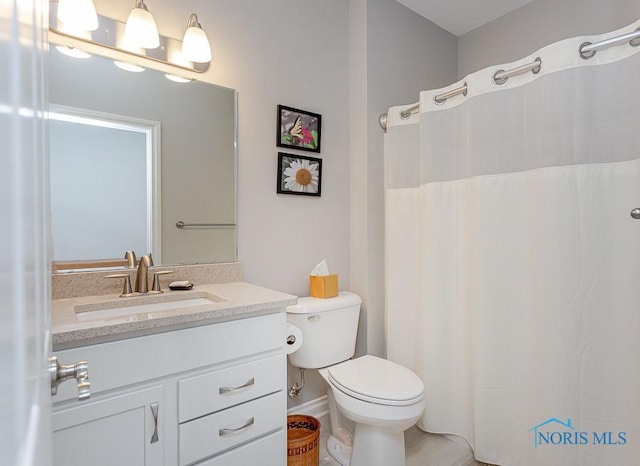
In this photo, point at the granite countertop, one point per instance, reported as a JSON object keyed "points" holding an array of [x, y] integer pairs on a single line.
{"points": [[228, 301]]}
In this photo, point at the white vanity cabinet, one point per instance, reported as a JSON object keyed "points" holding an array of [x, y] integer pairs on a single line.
{"points": [[210, 395]]}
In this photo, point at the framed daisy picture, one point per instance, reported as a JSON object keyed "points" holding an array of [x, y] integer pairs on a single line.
{"points": [[299, 175], [298, 129]]}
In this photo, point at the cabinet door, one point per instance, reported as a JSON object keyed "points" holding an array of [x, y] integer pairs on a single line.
{"points": [[118, 430]]}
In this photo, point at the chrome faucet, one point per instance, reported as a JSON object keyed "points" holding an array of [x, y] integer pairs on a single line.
{"points": [[142, 282]]}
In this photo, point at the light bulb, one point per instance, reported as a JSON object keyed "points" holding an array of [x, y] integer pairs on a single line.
{"points": [[195, 44]]}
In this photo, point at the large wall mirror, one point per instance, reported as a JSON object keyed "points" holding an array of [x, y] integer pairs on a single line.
{"points": [[133, 154]]}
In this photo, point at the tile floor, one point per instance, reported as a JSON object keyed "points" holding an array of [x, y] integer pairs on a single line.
{"points": [[422, 449]]}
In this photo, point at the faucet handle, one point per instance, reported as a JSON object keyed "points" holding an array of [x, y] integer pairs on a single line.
{"points": [[126, 287], [156, 280]]}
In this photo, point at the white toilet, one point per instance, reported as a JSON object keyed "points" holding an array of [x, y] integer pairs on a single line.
{"points": [[382, 398]]}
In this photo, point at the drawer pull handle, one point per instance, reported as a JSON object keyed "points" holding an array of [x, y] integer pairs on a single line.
{"points": [[223, 432], [248, 383], [154, 412]]}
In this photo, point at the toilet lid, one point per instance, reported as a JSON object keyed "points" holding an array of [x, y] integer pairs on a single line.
{"points": [[377, 380]]}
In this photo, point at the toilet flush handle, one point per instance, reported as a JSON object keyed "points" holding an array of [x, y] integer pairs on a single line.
{"points": [[313, 318]]}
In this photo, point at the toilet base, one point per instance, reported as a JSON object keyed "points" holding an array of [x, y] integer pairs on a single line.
{"points": [[373, 446], [377, 446], [339, 451]]}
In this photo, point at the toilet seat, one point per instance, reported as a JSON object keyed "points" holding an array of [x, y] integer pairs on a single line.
{"points": [[375, 380]]}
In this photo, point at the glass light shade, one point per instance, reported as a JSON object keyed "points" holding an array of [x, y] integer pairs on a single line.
{"points": [[78, 15], [195, 45], [141, 30]]}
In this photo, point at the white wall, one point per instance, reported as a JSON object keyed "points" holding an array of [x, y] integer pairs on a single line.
{"points": [[394, 55], [348, 60], [405, 55], [290, 52], [299, 53], [537, 24]]}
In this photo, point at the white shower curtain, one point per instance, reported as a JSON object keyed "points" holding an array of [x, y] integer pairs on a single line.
{"points": [[512, 261]]}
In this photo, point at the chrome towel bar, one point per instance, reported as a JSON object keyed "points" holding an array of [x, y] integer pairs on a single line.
{"points": [[181, 224]]}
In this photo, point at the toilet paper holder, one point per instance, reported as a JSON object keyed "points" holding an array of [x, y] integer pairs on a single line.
{"points": [[293, 342], [293, 339]]}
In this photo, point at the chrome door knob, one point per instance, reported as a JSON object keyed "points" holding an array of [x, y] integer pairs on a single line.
{"points": [[635, 213]]}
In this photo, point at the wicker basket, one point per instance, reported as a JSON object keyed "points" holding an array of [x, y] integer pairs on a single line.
{"points": [[303, 440]]}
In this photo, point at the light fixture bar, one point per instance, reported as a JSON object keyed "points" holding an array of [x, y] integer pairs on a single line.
{"points": [[110, 34]]}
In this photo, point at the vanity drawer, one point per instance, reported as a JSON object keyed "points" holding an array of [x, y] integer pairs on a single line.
{"points": [[270, 450], [221, 431], [208, 393]]}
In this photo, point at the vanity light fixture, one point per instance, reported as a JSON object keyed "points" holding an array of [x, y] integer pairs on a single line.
{"points": [[78, 15], [137, 37], [140, 29], [195, 44]]}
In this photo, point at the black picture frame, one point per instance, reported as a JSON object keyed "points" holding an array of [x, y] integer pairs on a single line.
{"points": [[290, 181], [298, 129]]}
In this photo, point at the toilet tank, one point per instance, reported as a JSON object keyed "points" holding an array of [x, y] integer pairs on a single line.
{"points": [[329, 328]]}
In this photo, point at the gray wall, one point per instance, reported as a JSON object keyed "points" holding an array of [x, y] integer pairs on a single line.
{"points": [[291, 52], [537, 24], [348, 60], [295, 53], [405, 54], [386, 41]]}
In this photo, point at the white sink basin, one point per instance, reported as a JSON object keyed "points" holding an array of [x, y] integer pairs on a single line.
{"points": [[146, 304]]}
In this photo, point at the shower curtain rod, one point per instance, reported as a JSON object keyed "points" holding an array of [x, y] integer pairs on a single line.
{"points": [[586, 51]]}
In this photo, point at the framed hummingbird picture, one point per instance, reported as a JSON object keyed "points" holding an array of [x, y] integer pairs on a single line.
{"points": [[298, 129]]}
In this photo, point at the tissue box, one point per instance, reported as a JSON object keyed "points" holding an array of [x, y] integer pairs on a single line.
{"points": [[323, 286]]}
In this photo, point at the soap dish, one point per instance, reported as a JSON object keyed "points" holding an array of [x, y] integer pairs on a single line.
{"points": [[181, 285]]}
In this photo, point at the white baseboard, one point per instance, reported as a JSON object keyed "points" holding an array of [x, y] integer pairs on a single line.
{"points": [[316, 408]]}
